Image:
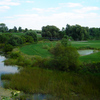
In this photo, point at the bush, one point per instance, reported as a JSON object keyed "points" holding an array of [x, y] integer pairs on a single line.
{"points": [[7, 48], [3, 38], [65, 58], [15, 41], [15, 55]]}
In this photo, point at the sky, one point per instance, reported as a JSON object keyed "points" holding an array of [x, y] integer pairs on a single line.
{"points": [[34, 14]]}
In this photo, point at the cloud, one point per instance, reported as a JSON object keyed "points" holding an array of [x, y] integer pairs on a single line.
{"points": [[4, 8], [35, 21], [41, 10], [70, 4], [9, 2], [30, 1], [86, 9]]}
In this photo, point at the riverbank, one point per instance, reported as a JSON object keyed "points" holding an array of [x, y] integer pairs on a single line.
{"points": [[5, 92]]}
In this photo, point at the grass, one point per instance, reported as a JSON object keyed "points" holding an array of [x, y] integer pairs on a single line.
{"points": [[92, 57], [38, 49], [19, 34], [95, 44], [63, 85]]}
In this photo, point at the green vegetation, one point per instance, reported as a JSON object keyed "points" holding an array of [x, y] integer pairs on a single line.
{"points": [[40, 49], [62, 85], [65, 58], [93, 44], [92, 57], [53, 67]]}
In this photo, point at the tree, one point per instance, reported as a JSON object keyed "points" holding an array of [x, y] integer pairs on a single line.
{"points": [[15, 29], [32, 34], [4, 38], [50, 32], [65, 58], [77, 32], [15, 40], [20, 29], [3, 27]]}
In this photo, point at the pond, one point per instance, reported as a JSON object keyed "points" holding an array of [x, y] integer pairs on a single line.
{"points": [[86, 52], [6, 69]]}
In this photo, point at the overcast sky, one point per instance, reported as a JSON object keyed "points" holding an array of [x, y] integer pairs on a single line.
{"points": [[33, 14]]}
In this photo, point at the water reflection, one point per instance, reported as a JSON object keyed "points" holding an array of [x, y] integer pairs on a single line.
{"points": [[85, 52], [6, 69]]}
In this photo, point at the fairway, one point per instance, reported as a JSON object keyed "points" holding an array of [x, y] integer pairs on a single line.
{"points": [[86, 44], [38, 49]]}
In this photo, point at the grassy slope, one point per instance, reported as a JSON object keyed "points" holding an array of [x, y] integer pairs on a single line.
{"points": [[37, 49]]}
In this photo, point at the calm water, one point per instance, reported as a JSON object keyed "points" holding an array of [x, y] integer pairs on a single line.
{"points": [[6, 69], [85, 52]]}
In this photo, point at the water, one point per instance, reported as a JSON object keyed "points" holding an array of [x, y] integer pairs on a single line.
{"points": [[85, 52], [6, 69], [13, 69]]}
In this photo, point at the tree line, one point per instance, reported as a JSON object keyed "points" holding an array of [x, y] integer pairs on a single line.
{"points": [[75, 32], [5, 29]]}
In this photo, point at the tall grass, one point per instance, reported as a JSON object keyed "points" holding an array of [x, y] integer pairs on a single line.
{"points": [[63, 85]]}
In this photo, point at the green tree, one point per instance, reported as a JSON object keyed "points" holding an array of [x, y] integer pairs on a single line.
{"points": [[15, 40], [50, 31], [4, 38], [15, 29], [32, 34], [65, 58], [3, 27], [19, 29]]}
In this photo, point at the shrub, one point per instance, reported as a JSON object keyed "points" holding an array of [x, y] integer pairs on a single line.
{"points": [[15, 40], [7, 48], [65, 58], [15, 55]]}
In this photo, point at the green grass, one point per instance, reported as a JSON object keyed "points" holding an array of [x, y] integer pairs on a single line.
{"points": [[92, 57], [38, 49], [95, 44], [39, 35]]}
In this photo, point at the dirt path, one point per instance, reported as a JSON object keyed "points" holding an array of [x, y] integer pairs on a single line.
{"points": [[5, 92]]}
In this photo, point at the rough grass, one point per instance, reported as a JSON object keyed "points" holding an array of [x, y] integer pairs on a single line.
{"points": [[63, 85]]}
